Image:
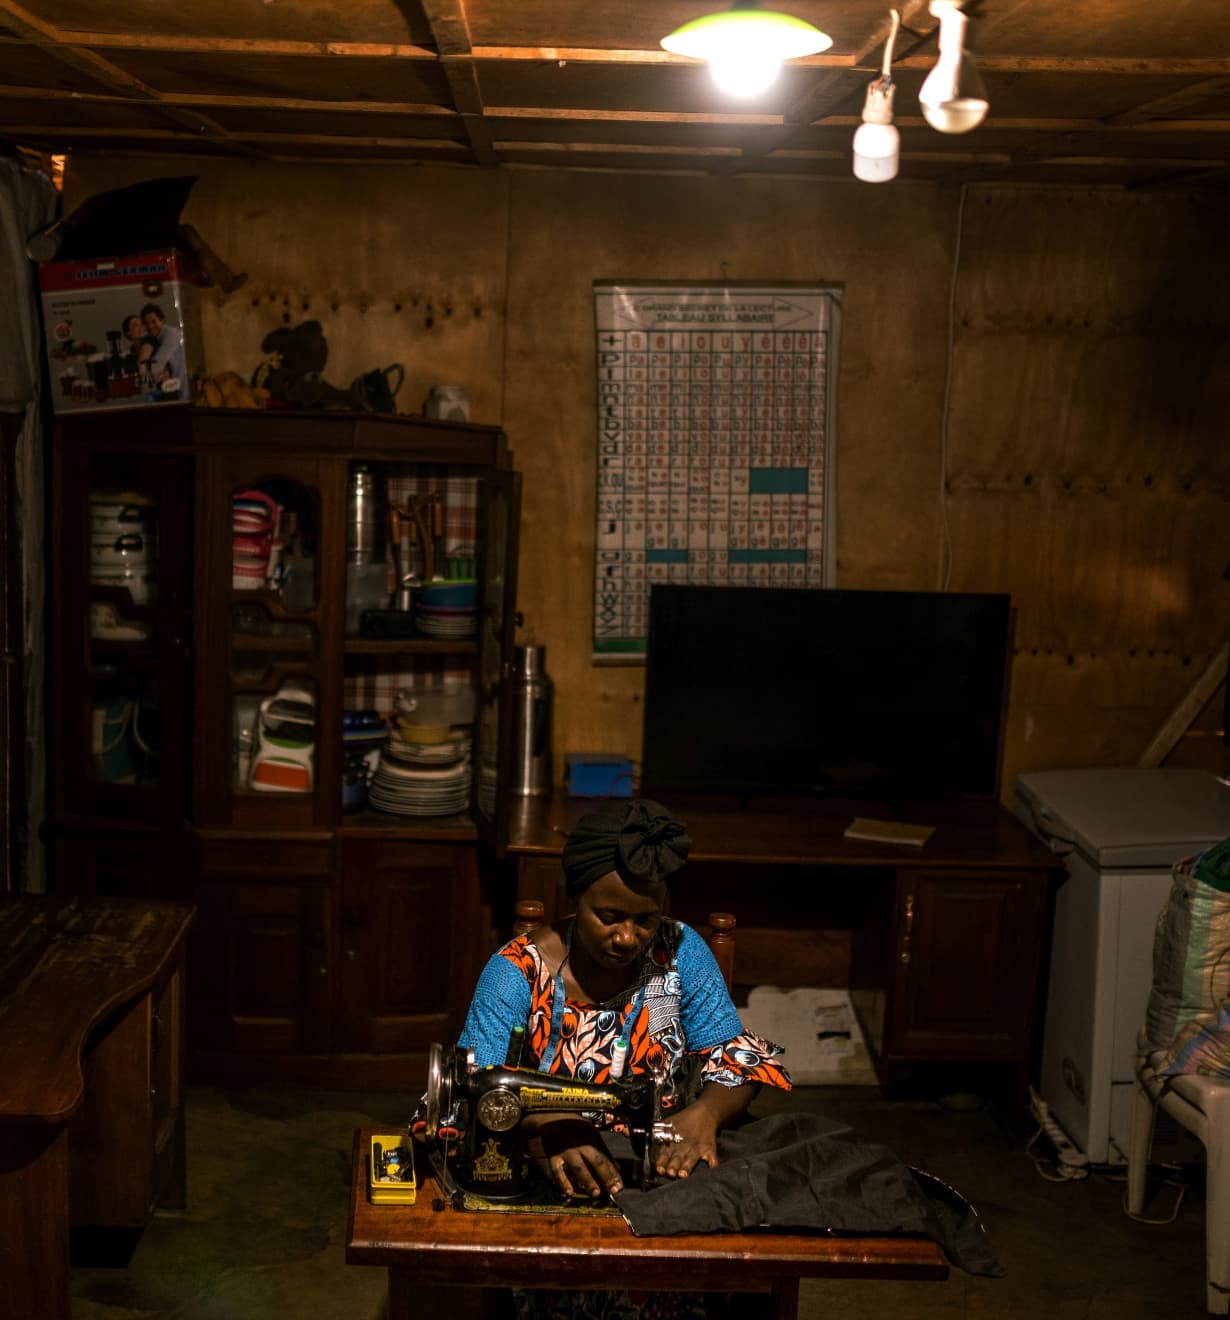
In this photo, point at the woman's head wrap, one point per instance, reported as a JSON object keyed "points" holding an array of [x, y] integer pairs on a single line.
{"points": [[640, 840]]}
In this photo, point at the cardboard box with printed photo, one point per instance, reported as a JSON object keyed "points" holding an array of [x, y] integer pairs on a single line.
{"points": [[122, 332]]}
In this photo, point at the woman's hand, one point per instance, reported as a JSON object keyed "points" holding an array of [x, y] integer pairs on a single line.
{"points": [[698, 1128], [572, 1153]]}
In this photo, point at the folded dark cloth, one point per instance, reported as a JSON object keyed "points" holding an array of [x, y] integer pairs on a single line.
{"points": [[802, 1171]]}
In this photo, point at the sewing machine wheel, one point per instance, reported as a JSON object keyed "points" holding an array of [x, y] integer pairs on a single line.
{"points": [[436, 1085]]}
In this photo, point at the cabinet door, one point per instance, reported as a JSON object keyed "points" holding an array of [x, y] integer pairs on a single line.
{"points": [[501, 517], [967, 950], [412, 942], [261, 951], [120, 612], [267, 672]]}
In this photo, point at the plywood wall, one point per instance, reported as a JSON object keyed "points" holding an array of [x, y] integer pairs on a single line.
{"points": [[1061, 436]]}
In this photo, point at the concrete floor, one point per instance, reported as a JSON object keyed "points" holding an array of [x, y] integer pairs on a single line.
{"points": [[268, 1178]]}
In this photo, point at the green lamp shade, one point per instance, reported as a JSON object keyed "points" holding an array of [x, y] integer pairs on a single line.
{"points": [[732, 32]]}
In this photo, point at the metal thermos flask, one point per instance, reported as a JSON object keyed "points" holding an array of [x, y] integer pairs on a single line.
{"points": [[532, 694], [367, 516]]}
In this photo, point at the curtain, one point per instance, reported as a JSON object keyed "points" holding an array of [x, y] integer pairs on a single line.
{"points": [[28, 202]]}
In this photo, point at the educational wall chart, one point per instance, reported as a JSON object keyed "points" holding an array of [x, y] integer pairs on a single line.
{"points": [[715, 444]]}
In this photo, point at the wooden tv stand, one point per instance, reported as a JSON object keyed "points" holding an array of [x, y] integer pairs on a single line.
{"points": [[940, 946]]}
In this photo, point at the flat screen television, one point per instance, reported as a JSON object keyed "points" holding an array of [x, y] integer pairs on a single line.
{"points": [[824, 692]]}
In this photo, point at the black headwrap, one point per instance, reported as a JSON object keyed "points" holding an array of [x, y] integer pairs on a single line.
{"points": [[640, 840]]}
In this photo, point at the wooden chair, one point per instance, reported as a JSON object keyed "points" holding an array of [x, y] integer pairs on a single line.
{"points": [[529, 913]]}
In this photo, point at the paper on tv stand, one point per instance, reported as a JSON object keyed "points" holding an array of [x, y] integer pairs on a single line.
{"points": [[888, 831]]}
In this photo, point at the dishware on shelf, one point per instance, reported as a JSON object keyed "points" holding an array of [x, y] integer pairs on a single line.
{"points": [[283, 760]]}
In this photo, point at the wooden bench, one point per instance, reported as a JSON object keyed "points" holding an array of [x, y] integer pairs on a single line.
{"points": [[91, 1046]]}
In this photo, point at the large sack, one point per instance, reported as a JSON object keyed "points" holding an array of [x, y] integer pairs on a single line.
{"points": [[1189, 1006]]}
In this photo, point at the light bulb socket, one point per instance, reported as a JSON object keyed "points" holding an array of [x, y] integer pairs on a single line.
{"points": [[878, 105]]}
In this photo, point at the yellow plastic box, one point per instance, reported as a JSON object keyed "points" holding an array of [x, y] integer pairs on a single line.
{"points": [[381, 1189]]}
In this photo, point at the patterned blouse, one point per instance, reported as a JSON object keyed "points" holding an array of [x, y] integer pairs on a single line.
{"points": [[686, 1021]]}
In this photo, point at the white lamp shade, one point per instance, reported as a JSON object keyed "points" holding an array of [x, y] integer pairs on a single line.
{"points": [[876, 149]]}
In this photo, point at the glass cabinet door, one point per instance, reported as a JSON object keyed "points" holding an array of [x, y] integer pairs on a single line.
{"points": [[411, 645], [500, 509], [122, 610], [261, 683]]}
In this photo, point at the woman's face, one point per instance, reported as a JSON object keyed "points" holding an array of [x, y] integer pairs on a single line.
{"points": [[615, 923], [133, 328]]}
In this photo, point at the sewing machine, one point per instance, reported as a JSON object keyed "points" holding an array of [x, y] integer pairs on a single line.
{"points": [[473, 1126]]}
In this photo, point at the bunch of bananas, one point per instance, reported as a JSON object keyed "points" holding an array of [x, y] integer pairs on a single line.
{"points": [[229, 390]]}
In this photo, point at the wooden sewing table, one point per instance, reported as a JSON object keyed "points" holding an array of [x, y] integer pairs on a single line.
{"points": [[427, 1249]]}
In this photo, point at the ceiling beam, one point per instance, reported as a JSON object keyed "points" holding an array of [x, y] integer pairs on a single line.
{"points": [[36, 32], [159, 43], [918, 27], [450, 29], [1160, 107]]}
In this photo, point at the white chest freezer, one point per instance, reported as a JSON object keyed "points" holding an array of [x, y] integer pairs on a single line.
{"points": [[1119, 831]]}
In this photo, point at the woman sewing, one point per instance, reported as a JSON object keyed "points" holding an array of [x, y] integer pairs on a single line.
{"points": [[619, 989]]}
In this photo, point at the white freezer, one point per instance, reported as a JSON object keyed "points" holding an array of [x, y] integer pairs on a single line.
{"points": [[1119, 831]]}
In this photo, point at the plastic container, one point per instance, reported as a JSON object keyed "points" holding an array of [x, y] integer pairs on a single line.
{"points": [[447, 403], [453, 703]]}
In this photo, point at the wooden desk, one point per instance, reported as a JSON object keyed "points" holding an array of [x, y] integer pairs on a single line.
{"points": [[425, 1249], [91, 1039], [940, 946]]}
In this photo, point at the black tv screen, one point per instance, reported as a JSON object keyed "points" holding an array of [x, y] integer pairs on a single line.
{"points": [[801, 692]]}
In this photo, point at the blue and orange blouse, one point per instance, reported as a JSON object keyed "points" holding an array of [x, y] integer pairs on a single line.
{"points": [[684, 1020]]}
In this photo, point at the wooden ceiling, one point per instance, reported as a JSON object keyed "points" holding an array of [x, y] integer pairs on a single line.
{"points": [[1124, 92]]}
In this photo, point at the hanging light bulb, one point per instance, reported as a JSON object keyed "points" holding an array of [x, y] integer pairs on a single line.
{"points": [[876, 140], [745, 46], [953, 98]]}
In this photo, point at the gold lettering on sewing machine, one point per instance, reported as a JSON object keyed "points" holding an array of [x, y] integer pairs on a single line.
{"points": [[567, 1097], [492, 1165]]}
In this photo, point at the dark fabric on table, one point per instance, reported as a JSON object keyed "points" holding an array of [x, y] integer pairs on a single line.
{"points": [[801, 1171]]}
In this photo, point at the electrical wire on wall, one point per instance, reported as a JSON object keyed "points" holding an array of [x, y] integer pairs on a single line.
{"points": [[945, 557]]}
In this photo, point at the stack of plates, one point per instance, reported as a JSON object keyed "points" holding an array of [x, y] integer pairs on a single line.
{"points": [[422, 779], [445, 621], [446, 609]]}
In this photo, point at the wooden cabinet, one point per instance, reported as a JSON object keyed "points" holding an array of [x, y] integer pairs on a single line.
{"points": [[126, 1142], [958, 980], [211, 661]]}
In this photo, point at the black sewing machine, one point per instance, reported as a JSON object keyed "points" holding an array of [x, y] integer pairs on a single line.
{"points": [[473, 1126]]}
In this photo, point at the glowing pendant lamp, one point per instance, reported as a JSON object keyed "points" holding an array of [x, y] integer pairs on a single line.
{"points": [[745, 46]]}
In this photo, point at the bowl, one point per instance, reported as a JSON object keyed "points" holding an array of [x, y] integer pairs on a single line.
{"points": [[452, 594]]}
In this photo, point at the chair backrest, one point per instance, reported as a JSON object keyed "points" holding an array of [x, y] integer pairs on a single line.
{"points": [[720, 936]]}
